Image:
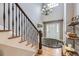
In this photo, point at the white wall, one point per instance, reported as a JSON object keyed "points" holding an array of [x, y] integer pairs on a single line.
{"points": [[76, 9], [76, 12], [33, 11], [56, 14], [68, 14]]}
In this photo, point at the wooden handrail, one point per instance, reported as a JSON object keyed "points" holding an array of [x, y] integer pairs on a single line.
{"points": [[26, 15]]}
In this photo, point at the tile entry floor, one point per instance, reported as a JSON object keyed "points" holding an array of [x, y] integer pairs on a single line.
{"points": [[51, 51]]}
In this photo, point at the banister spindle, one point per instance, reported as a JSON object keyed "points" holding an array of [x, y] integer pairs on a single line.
{"points": [[21, 28], [24, 28], [28, 32], [19, 22], [12, 20], [36, 37], [8, 16], [16, 20], [4, 16], [32, 36]]}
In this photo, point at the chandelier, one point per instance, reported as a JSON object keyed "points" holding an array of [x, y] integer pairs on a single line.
{"points": [[47, 8]]}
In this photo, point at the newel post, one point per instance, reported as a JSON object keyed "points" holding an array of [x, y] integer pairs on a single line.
{"points": [[40, 42]]}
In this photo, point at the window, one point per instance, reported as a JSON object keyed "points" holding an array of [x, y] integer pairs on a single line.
{"points": [[52, 30]]}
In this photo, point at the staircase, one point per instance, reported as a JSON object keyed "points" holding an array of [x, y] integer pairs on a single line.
{"points": [[18, 35]]}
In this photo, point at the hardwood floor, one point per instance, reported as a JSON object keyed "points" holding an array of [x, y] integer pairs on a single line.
{"points": [[51, 51]]}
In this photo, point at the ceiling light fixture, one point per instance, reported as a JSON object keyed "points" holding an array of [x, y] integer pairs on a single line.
{"points": [[47, 8]]}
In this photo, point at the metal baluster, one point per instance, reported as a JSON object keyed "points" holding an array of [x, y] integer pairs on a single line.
{"points": [[19, 22], [12, 20], [29, 33], [8, 16], [24, 28], [16, 20], [36, 42], [4, 16], [37, 38], [34, 38], [28, 39], [30, 36], [21, 28]]}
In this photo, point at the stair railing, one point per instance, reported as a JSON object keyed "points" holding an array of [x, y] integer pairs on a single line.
{"points": [[20, 24]]}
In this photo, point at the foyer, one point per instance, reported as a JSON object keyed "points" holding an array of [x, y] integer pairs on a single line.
{"points": [[39, 29]]}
